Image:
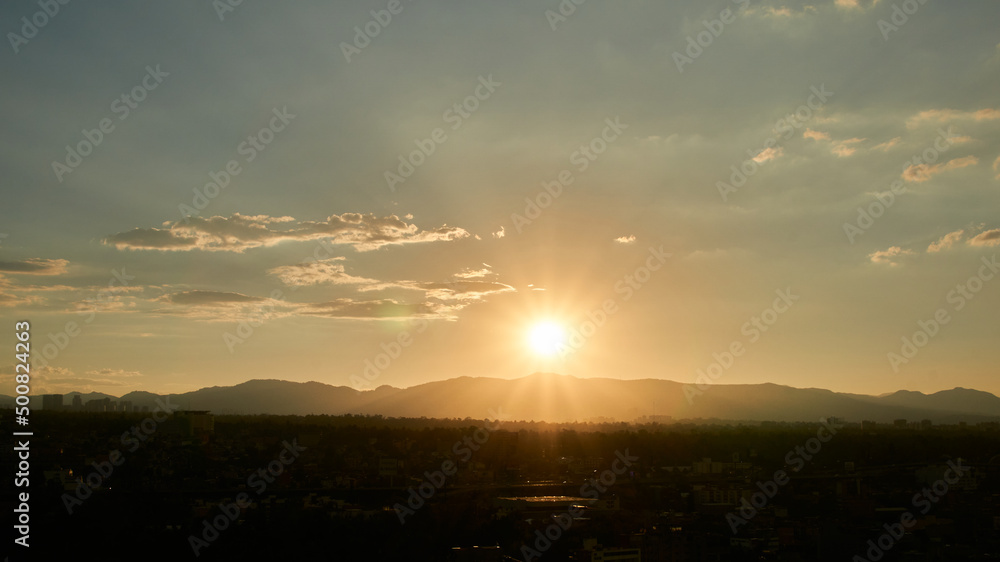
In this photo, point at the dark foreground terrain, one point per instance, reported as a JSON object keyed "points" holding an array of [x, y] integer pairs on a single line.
{"points": [[127, 486]]}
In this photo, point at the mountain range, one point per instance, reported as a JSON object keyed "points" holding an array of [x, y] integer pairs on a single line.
{"points": [[564, 398]]}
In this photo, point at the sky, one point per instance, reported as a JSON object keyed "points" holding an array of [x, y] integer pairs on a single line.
{"points": [[398, 192]]}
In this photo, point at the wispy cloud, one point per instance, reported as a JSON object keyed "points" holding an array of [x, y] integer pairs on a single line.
{"points": [[946, 241], [988, 238], [815, 135], [889, 256], [769, 154], [923, 172], [329, 271], [240, 232], [887, 145], [34, 266], [946, 115], [843, 148]]}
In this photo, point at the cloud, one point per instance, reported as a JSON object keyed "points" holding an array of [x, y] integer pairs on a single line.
{"points": [[462, 290], [815, 135], [885, 146], [843, 149], [216, 306], [60, 380], [630, 239], [317, 272], [113, 373], [240, 232], [468, 273], [855, 4], [945, 115], [768, 154], [11, 300], [34, 266], [924, 172], [499, 234], [889, 256], [946, 241], [209, 298], [384, 309], [988, 238]]}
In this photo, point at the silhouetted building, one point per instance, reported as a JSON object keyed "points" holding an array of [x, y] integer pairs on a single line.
{"points": [[52, 401], [190, 423]]}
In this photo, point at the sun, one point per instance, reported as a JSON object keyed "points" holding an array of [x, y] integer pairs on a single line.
{"points": [[547, 338]]}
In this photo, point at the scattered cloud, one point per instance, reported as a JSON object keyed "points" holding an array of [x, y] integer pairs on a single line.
{"points": [[889, 256], [945, 115], [384, 309], [885, 146], [630, 239], [34, 266], [317, 272], [924, 172], [843, 148], [209, 298], [768, 154], [468, 273], [946, 241], [241, 232], [815, 135], [60, 380], [500, 233], [988, 238]]}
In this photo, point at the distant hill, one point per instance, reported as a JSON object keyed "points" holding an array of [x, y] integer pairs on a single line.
{"points": [[551, 397]]}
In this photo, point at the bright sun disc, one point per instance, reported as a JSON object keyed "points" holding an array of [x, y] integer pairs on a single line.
{"points": [[547, 338]]}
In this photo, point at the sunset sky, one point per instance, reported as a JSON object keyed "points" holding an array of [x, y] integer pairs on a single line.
{"points": [[381, 171]]}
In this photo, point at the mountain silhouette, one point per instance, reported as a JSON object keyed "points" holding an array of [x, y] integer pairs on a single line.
{"points": [[564, 398]]}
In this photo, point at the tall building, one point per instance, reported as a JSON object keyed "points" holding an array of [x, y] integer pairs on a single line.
{"points": [[52, 401]]}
